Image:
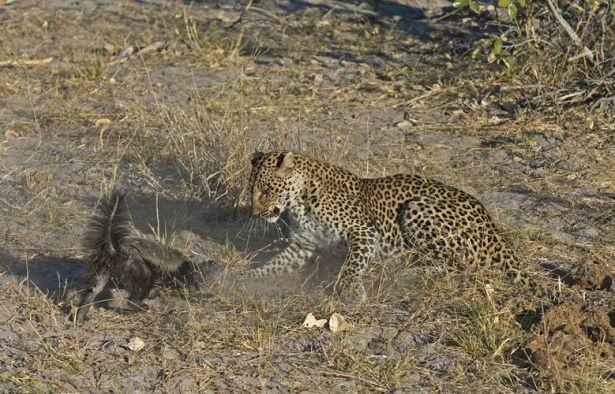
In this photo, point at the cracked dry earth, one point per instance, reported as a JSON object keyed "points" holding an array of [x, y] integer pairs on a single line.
{"points": [[168, 99]]}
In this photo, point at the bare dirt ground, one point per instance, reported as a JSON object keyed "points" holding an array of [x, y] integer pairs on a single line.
{"points": [[168, 99]]}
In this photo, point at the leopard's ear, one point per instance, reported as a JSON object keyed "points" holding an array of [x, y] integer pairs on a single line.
{"points": [[285, 164], [256, 156]]}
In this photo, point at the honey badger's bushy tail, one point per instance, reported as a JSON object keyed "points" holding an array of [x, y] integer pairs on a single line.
{"points": [[108, 228], [107, 232]]}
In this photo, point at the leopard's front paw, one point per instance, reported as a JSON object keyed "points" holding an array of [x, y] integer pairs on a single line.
{"points": [[353, 291]]}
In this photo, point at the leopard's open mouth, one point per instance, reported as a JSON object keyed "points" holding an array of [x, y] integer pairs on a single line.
{"points": [[272, 216], [271, 219]]}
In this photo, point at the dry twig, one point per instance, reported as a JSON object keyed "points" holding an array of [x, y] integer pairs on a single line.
{"points": [[599, 102], [571, 33], [333, 4], [245, 9], [26, 62]]}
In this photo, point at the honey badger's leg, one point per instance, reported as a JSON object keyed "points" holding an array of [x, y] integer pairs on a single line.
{"points": [[190, 276], [96, 283], [137, 277]]}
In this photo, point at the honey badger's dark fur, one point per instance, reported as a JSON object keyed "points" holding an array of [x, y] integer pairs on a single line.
{"points": [[133, 263]]}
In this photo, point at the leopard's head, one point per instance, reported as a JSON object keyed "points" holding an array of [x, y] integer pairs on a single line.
{"points": [[274, 183]]}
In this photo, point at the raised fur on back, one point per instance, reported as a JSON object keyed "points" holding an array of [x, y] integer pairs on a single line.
{"points": [[108, 227], [376, 215], [133, 263]]}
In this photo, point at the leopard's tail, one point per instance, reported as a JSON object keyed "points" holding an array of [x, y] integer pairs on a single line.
{"points": [[517, 272]]}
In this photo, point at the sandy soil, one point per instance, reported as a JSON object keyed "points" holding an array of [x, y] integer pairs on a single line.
{"points": [[168, 99]]}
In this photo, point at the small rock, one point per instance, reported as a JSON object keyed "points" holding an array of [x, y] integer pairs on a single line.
{"points": [[539, 140], [184, 384], [337, 323], [406, 123], [540, 359], [586, 232], [404, 341], [589, 122], [496, 120], [135, 344], [10, 133], [127, 51], [109, 48], [593, 274], [304, 344], [102, 123], [170, 354], [310, 321], [501, 155]]}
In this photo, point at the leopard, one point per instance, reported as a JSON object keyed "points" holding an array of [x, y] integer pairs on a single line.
{"points": [[380, 216]]}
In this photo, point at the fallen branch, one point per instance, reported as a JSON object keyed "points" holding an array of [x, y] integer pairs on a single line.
{"points": [[599, 102], [131, 50], [571, 33], [246, 8], [334, 4], [25, 62], [509, 88], [447, 15], [156, 46]]}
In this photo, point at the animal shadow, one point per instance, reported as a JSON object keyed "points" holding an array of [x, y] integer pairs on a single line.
{"points": [[52, 275]]}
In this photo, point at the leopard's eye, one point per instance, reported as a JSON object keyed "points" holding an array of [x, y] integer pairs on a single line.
{"points": [[264, 191]]}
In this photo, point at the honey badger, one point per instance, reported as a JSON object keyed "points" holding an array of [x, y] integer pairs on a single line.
{"points": [[132, 263]]}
